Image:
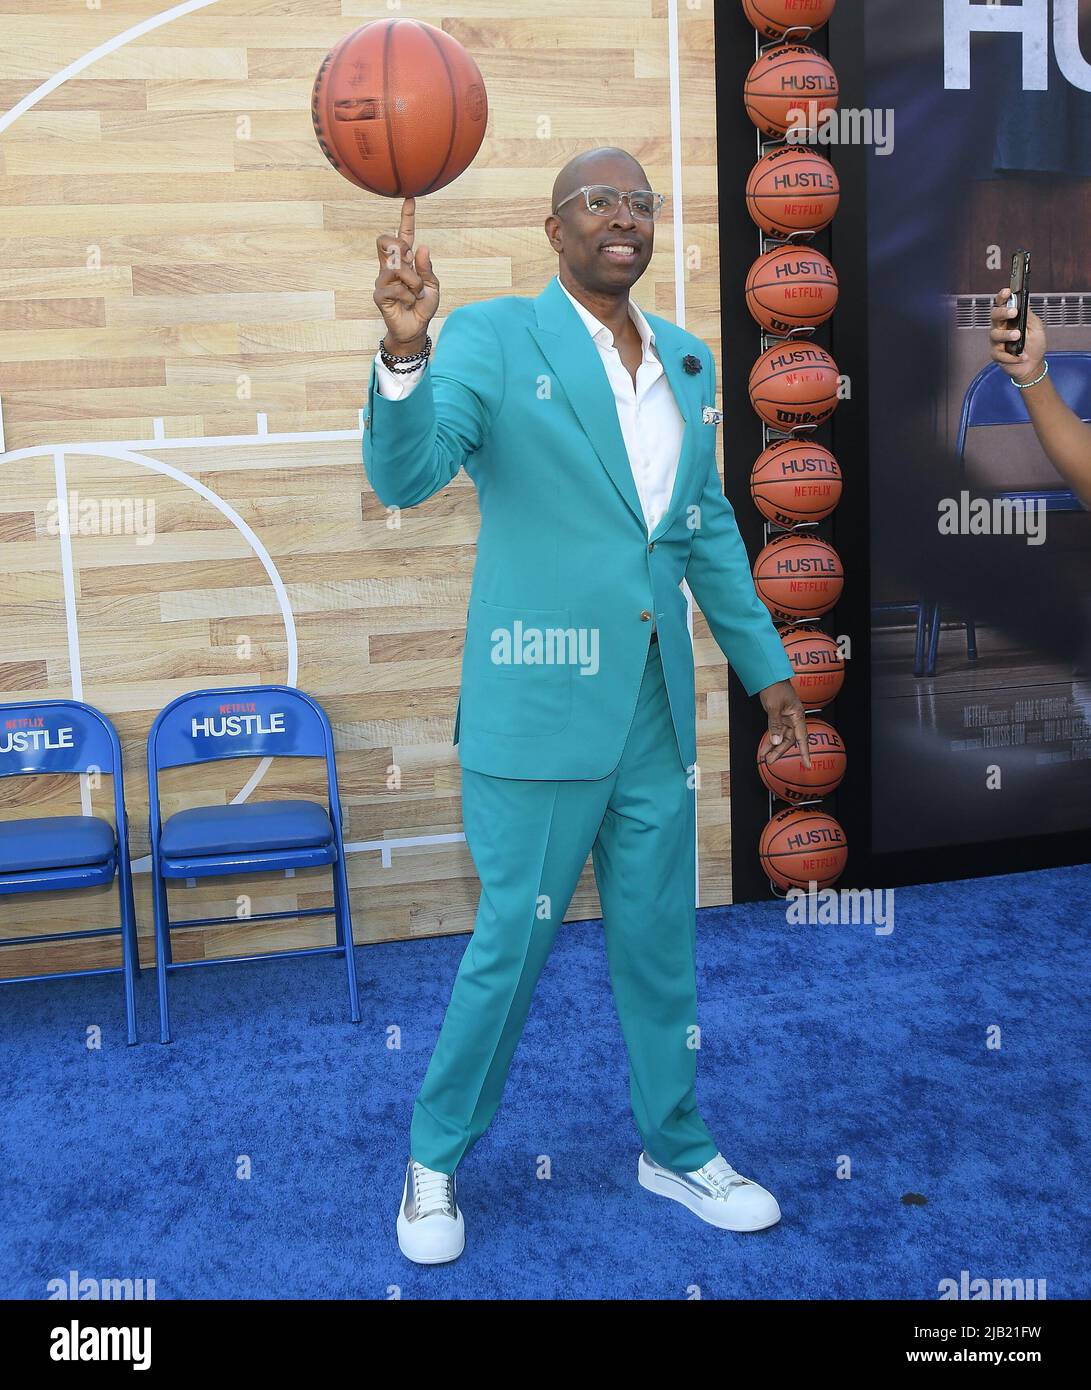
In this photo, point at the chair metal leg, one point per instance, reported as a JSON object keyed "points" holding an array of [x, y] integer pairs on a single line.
{"points": [[933, 642], [130, 954], [343, 914], [162, 948], [918, 652]]}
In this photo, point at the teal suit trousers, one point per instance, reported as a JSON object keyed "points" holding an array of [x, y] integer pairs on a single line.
{"points": [[530, 840]]}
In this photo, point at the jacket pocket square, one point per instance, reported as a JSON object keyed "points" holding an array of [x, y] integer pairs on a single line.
{"points": [[709, 416]]}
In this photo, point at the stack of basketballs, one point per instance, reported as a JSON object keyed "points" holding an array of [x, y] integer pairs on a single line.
{"points": [[792, 194]]}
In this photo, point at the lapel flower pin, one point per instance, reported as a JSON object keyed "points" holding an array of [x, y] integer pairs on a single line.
{"points": [[691, 364]]}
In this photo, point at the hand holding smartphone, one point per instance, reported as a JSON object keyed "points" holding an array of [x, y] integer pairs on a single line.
{"points": [[1020, 296]]}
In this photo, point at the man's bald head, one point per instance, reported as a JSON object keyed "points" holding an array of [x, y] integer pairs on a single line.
{"points": [[605, 253], [602, 165]]}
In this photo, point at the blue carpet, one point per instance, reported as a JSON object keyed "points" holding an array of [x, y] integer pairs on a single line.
{"points": [[820, 1044]]}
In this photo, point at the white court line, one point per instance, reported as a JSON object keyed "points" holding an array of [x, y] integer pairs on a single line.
{"points": [[64, 525], [680, 312], [85, 60]]}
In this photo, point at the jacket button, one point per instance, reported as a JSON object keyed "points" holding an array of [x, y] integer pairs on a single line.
{"points": [[651, 547], [645, 617]]}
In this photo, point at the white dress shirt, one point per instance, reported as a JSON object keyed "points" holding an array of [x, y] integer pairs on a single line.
{"points": [[651, 423]]}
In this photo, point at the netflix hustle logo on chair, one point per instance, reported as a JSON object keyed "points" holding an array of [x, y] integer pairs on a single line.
{"points": [[235, 720], [29, 734]]}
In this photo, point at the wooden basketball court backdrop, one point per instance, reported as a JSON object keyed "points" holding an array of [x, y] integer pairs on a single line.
{"points": [[186, 329]]}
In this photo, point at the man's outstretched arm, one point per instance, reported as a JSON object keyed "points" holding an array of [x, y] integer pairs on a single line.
{"points": [[719, 575], [418, 433]]}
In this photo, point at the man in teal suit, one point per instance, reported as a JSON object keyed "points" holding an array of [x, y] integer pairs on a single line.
{"points": [[589, 431]]}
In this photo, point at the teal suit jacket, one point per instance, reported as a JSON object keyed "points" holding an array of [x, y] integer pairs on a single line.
{"points": [[566, 578]]}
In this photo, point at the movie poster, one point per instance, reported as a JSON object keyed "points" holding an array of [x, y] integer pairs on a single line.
{"points": [[980, 527]]}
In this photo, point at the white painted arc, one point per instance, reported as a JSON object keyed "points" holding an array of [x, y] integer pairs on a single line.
{"points": [[248, 534], [85, 60]]}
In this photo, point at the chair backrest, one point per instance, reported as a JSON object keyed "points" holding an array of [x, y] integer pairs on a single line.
{"points": [[252, 721], [992, 400], [61, 736]]}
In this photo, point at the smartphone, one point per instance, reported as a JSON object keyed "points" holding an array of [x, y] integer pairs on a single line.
{"points": [[1020, 294]]}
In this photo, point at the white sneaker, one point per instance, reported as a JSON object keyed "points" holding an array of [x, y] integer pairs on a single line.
{"points": [[715, 1193], [430, 1225]]}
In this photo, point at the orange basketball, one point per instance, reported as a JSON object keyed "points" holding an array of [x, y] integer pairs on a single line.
{"points": [[775, 18], [790, 780], [799, 847], [794, 384], [791, 287], [399, 108], [818, 665], [792, 189], [798, 576], [789, 85], [793, 482]]}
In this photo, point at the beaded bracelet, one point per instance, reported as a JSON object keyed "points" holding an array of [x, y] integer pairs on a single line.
{"points": [[1026, 385], [405, 364]]}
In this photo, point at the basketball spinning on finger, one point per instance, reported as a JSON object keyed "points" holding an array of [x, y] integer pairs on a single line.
{"points": [[399, 108]]}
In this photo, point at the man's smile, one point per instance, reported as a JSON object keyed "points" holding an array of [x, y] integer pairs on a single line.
{"points": [[623, 252]]}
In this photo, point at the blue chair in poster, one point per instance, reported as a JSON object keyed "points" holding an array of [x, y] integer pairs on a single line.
{"points": [[45, 854], [254, 721], [991, 400]]}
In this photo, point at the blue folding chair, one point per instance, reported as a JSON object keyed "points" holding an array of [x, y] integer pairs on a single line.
{"points": [[46, 853], [249, 837], [992, 400]]}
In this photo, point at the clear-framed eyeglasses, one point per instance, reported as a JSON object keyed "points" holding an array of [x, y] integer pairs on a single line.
{"points": [[604, 201]]}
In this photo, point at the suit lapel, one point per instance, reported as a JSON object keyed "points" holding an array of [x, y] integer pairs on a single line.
{"points": [[577, 366]]}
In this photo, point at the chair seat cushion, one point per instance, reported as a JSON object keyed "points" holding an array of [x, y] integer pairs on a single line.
{"points": [[54, 842], [262, 825]]}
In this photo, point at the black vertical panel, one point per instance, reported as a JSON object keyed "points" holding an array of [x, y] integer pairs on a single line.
{"points": [[743, 439], [849, 527], [736, 142]]}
